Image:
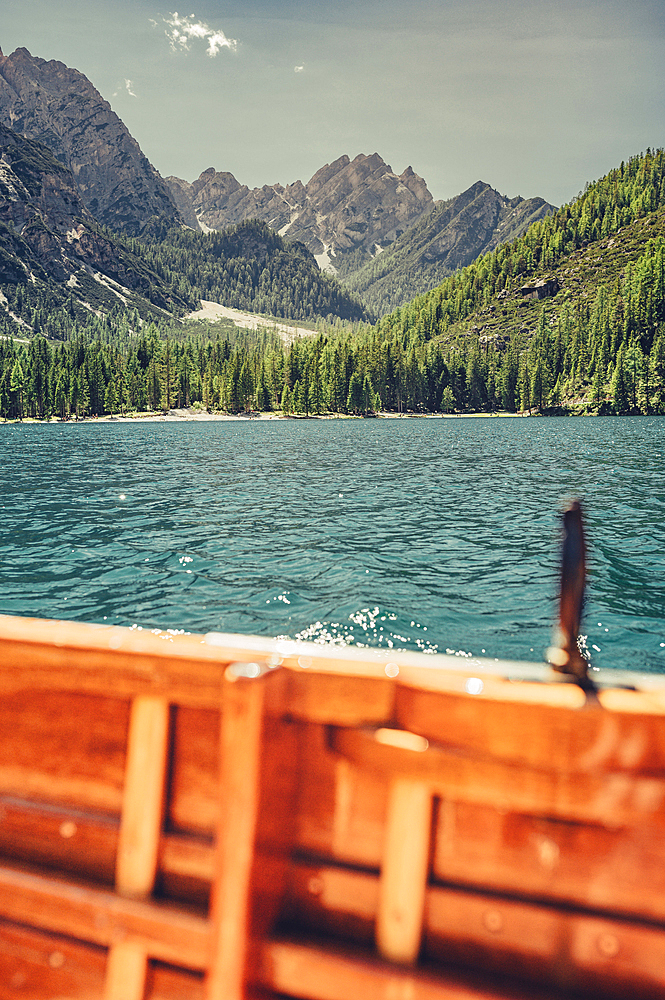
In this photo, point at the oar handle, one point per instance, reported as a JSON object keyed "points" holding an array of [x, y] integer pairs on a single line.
{"points": [[565, 655]]}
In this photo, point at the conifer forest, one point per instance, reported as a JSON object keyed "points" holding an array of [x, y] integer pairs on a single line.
{"points": [[482, 341]]}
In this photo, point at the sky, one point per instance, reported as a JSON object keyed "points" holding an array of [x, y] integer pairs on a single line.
{"points": [[534, 99]]}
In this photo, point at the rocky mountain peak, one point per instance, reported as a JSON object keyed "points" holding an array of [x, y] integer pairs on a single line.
{"points": [[59, 107], [347, 205]]}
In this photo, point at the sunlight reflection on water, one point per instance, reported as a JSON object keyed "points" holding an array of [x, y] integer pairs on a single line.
{"points": [[434, 535]]}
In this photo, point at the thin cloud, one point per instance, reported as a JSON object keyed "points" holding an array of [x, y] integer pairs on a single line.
{"points": [[298, 69], [127, 86], [182, 31]]}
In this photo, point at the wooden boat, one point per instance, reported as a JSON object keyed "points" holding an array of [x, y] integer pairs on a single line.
{"points": [[222, 817]]}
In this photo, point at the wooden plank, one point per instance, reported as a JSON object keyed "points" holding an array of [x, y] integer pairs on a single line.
{"points": [[621, 959], [86, 845], [165, 982], [241, 747], [39, 966], [260, 760], [540, 728], [544, 944], [143, 797], [126, 970], [612, 799], [339, 698], [341, 809], [112, 661], [193, 802], [587, 865], [101, 917], [66, 748], [404, 871], [315, 973]]}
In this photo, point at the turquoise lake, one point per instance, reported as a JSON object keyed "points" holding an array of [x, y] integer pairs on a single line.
{"points": [[437, 534]]}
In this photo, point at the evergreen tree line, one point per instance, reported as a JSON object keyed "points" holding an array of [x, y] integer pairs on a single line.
{"points": [[247, 266], [627, 193], [610, 354]]}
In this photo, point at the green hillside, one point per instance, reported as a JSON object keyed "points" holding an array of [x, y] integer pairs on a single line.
{"points": [[248, 266], [595, 344], [451, 236]]}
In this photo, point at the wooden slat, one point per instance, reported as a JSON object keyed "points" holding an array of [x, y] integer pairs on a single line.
{"points": [[619, 870], [541, 726], [613, 799], [103, 918], [339, 698], [86, 844], [143, 797], [620, 959], [404, 871], [126, 971], [63, 747], [545, 944], [315, 973], [341, 809], [241, 747], [193, 802], [113, 661], [39, 966]]}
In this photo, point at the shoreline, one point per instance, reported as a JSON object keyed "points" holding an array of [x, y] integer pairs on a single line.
{"points": [[188, 415]]}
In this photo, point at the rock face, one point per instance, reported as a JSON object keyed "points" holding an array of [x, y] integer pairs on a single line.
{"points": [[347, 205], [46, 232], [451, 236], [60, 108]]}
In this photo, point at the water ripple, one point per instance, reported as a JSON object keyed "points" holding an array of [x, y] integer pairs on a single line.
{"points": [[426, 534]]}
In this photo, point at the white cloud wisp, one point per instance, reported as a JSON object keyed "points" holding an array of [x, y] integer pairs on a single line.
{"points": [[182, 31], [127, 86]]}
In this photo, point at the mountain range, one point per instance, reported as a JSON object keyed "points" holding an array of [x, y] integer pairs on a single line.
{"points": [[381, 233], [59, 107], [48, 235]]}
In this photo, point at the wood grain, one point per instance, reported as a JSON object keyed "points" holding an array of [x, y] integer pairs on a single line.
{"points": [[612, 735], [404, 871], [39, 966], [303, 970], [169, 934], [241, 750], [85, 844], [614, 799], [547, 945], [64, 747], [126, 971], [143, 797]]}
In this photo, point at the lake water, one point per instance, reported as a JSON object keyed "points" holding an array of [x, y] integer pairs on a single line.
{"points": [[439, 535]]}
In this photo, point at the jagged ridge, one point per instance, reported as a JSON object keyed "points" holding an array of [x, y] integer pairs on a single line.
{"points": [[347, 205], [449, 237], [59, 107]]}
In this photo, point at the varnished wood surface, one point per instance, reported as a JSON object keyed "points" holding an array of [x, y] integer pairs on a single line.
{"points": [[540, 821], [489, 932], [611, 798], [166, 933], [293, 968], [39, 966]]}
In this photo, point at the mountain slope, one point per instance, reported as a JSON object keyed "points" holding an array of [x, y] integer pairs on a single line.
{"points": [[248, 266], [59, 107], [569, 316], [51, 248], [48, 236], [453, 234], [347, 205]]}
